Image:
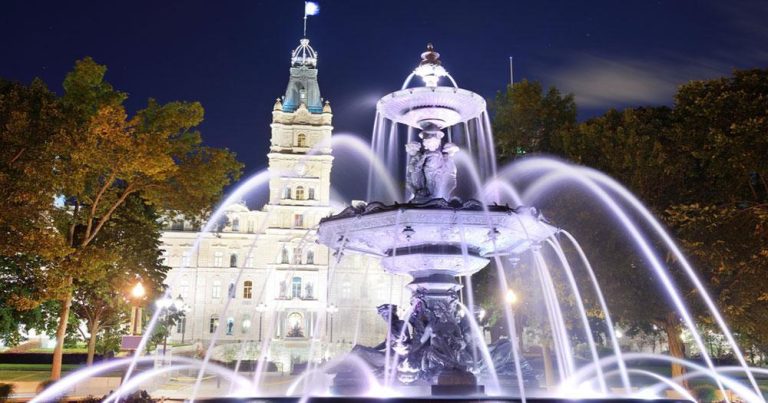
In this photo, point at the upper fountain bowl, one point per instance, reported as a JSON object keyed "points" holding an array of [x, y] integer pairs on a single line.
{"points": [[431, 107]]}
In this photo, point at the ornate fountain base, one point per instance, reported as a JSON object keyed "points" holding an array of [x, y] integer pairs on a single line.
{"points": [[434, 242]]}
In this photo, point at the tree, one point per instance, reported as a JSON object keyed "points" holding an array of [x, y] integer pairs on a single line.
{"points": [[527, 119], [134, 231], [96, 158]]}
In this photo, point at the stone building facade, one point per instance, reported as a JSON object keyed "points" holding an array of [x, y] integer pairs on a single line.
{"points": [[282, 286]]}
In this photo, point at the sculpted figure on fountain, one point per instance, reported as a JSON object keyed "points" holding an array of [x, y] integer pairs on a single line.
{"points": [[431, 172], [397, 339]]}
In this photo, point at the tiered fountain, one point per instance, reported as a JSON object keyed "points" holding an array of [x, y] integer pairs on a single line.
{"points": [[434, 238]]}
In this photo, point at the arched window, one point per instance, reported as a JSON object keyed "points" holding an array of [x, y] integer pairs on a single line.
{"points": [[284, 256], [248, 289], [236, 225], [296, 287], [233, 260], [311, 194], [301, 140], [299, 192], [213, 324], [310, 257], [286, 193]]}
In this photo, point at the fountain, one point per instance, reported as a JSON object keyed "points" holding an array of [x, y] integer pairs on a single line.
{"points": [[433, 238], [436, 238]]}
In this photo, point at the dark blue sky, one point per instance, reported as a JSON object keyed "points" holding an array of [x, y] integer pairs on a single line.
{"points": [[233, 56]]}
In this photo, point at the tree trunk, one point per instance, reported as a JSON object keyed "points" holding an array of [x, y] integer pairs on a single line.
{"points": [[549, 371], [61, 332], [676, 347], [94, 328]]}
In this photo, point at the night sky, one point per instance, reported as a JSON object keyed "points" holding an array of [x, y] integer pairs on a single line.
{"points": [[233, 56]]}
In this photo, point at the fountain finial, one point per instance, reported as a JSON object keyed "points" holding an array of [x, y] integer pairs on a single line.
{"points": [[429, 68], [430, 56]]}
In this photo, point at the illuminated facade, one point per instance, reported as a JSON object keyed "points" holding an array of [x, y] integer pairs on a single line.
{"points": [[283, 292]]}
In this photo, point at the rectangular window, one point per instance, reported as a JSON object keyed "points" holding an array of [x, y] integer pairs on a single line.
{"points": [[218, 259], [247, 290], [182, 325], [311, 193], [214, 323], [216, 290], [296, 287], [185, 259], [298, 220]]}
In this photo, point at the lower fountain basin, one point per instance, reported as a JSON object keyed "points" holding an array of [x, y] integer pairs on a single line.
{"points": [[435, 237]]}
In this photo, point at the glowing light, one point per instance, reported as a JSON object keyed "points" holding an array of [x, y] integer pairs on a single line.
{"points": [[619, 334], [510, 297], [138, 291], [481, 314], [430, 73]]}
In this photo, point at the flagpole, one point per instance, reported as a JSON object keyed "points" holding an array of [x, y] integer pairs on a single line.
{"points": [[511, 72]]}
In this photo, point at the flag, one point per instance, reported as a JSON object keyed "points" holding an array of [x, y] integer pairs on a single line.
{"points": [[311, 8]]}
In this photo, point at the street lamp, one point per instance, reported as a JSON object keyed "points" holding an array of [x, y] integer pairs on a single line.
{"points": [[137, 294], [261, 308], [510, 297], [331, 310]]}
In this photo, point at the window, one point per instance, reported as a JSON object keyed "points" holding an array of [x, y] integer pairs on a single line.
{"points": [[311, 193], [249, 261], [296, 287], [236, 225], [230, 326], [216, 290], [300, 193], [286, 193], [284, 255], [233, 260], [250, 227], [245, 324], [248, 290], [181, 325], [302, 140], [214, 323], [310, 257], [298, 220], [218, 259], [177, 225], [185, 260]]}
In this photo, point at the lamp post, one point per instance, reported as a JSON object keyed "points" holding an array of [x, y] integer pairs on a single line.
{"points": [[137, 293], [261, 308], [331, 310]]}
